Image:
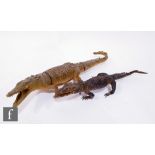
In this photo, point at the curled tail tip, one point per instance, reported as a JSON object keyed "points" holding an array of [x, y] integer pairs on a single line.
{"points": [[101, 52], [141, 72], [145, 73], [105, 54]]}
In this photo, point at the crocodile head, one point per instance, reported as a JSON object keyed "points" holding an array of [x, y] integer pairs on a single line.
{"points": [[23, 88], [29, 83], [67, 89], [20, 86]]}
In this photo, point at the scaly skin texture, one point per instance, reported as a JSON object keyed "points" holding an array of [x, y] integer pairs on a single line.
{"points": [[52, 78], [100, 81]]}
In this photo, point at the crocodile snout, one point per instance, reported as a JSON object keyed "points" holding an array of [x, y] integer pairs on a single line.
{"points": [[11, 93]]}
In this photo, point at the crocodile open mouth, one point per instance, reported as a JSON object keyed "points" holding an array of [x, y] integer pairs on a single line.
{"points": [[16, 91], [11, 93], [21, 96]]}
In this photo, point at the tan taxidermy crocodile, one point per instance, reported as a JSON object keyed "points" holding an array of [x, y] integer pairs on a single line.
{"points": [[52, 78]]}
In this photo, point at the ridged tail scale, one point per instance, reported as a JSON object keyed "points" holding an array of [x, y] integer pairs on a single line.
{"points": [[90, 63], [125, 74]]}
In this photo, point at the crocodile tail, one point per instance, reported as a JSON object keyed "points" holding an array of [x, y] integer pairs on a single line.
{"points": [[124, 74], [90, 63]]}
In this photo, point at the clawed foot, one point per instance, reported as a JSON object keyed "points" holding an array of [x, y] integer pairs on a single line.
{"points": [[86, 97], [107, 94]]}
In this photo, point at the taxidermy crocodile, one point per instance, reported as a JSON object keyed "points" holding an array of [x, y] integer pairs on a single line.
{"points": [[97, 82], [54, 77]]}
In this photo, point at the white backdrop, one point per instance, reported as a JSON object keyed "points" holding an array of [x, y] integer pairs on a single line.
{"points": [[27, 53]]}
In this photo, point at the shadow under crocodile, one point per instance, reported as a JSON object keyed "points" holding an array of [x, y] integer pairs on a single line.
{"points": [[43, 99]]}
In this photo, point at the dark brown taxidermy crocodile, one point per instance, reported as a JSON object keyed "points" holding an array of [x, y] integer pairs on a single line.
{"points": [[52, 78], [97, 82]]}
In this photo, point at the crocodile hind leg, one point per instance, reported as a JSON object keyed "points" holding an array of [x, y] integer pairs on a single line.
{"points": [[113, 85], [20, 97]]}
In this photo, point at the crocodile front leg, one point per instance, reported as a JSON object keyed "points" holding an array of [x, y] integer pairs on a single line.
{"points": [[89, 95]]}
